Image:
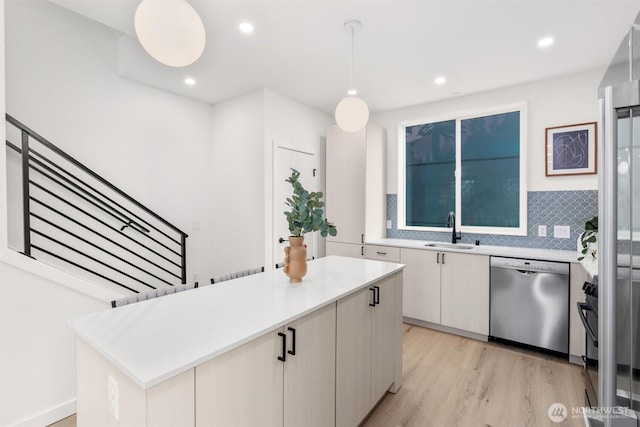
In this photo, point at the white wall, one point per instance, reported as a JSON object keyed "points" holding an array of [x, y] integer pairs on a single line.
{"points": [[37, 351], [236, 184], [553, 102], [154, 145]]}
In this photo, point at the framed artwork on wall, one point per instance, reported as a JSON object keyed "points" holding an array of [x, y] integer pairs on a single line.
{"points": [[571, 149]]}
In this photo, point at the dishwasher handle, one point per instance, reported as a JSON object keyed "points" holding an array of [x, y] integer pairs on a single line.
{"points": [[582, 307]]}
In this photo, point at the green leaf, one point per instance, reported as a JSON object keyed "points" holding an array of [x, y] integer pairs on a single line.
{"points": [[306, 214]]}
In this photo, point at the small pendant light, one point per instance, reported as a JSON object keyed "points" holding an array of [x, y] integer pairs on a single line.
{"points": [[352, 113]]}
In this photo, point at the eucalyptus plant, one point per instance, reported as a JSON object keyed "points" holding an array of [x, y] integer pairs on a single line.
{"points": [[306, 214], [589, 237]]}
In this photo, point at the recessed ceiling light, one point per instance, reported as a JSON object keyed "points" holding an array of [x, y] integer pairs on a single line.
{"points": [[190, 81], [440, 80], [545, 42], [246, 27]]}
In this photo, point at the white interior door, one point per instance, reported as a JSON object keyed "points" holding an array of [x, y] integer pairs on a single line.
{"points": [[306, 164]]}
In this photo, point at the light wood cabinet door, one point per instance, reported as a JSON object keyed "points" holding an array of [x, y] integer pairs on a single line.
{"points": [[242, 387], [353, 358], [345, 249], [310, 373], [383, 334], [421, 293], [345, 183], [465, 292]]}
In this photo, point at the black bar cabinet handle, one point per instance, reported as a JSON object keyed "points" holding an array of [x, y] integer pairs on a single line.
{"points": [[381, 253], [376, 295], [283, 358], [443, 257], [438, 258], [293, 343]]}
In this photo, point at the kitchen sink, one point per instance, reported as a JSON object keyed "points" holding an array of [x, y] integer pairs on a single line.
{"points": [[444, 245]]}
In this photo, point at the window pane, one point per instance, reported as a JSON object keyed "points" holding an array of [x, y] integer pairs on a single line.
{"points": [[430, 173], [491, 170]]}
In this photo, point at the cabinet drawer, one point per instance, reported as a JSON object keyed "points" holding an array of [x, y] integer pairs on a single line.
{"points": [[383, 253]]}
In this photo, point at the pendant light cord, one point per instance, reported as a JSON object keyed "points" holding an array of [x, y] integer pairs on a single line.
{"points": [[352, 55]]}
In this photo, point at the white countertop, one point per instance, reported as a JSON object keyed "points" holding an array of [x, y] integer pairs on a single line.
{"points": [[154, 340], [505, 251]]}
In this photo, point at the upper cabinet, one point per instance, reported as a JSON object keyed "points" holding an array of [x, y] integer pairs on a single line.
{"points": [[356, 184]]}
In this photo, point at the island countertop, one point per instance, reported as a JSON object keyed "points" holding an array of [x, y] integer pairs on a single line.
{"points": [[154, 340]]}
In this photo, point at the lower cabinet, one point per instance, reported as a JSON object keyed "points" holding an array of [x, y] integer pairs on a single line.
{"points": [[464, 292], [365, 351], [421, 298], [447, 288], [242, 387], [309, 374], [282, 378]]}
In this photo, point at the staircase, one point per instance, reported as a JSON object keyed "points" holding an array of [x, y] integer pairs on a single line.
{"points": [[64, 214]]}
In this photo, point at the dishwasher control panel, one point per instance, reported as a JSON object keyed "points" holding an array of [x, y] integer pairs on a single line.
{"points": [[530, 265]]}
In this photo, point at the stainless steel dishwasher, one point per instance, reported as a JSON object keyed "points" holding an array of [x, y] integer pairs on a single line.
{"points": [[530, 303]]}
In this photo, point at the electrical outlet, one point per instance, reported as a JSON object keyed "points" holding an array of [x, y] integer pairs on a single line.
{"points": [[561, 231], [389, 224], [542, 231], [112, 397]]}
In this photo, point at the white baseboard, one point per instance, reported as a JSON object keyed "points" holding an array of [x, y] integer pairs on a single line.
{"points": [[49, 416]]}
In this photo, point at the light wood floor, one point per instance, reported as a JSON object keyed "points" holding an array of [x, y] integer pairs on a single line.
{"points": [[455, 381]]}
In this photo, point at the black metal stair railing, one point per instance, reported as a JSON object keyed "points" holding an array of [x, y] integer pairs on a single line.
{"points": [[72, 216]]}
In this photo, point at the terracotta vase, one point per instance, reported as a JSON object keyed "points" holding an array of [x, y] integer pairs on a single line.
{"points": [[295, 259]]}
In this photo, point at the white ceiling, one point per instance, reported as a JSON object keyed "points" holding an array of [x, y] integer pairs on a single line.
{"points": [[300, 48]]}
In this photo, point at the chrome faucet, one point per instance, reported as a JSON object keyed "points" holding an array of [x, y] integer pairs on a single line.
{"points": [[451, 223]]}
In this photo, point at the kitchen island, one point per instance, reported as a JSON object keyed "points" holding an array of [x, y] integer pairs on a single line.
{"points": [[255, 350]]}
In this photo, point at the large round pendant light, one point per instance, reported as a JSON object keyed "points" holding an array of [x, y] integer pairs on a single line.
{"points": [[352, 113], [170, 31]]}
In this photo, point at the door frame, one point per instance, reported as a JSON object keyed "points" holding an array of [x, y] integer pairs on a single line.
{"points": [[317, 148]]}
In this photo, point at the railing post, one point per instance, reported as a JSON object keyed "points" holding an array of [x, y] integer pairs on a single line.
{"points": [[26, 218], [183, 254]]}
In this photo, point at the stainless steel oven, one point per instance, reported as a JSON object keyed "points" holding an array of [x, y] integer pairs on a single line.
{"points": [[588, 311]]}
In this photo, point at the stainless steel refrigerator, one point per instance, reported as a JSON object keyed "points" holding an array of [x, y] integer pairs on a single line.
{"points": [[619, 236]]}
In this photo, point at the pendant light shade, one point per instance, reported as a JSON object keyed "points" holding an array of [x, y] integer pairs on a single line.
{"points": [[171, 31], [352, 114]]}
